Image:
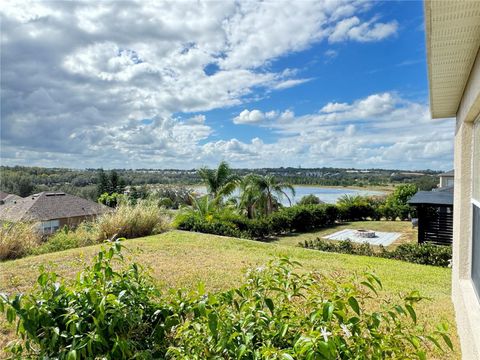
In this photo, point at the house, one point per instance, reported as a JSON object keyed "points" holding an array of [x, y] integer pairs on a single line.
{"points": [[52, 210], [446, 179], [434, 215], [453, 43], [6, 197]]}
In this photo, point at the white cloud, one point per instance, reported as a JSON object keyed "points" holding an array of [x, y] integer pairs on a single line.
{"points": [[290, 83], [354, 29], [250, 117], [108, 84]]}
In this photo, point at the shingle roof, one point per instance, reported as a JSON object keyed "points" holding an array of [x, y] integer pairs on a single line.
{"points": [[5, 197], [432, 198], [48, 206]]}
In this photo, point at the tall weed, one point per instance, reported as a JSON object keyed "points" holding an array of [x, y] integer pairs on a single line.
{"points": [[18, 239]]}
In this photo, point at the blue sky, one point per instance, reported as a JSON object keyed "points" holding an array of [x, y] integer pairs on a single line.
{"points": [[186, 84]]}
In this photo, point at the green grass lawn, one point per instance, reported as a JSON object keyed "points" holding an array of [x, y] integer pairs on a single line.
{"points": [[183, 259], [408, 233]]}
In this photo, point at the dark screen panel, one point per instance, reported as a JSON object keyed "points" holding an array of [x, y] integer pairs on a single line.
{"points": [[476, 250]]}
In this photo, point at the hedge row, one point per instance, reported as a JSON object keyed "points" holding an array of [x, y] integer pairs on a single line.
{"points": [[425, 254], [292, 219]]}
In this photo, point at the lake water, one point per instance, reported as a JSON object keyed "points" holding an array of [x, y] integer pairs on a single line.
{"points": [[327, 195]]}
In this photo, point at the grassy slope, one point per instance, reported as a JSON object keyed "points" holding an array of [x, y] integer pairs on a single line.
{"points": [[182, 259], [404, 227]]}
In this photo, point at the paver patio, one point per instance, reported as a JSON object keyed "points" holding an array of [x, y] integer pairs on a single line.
{"points": [[381, 238]]}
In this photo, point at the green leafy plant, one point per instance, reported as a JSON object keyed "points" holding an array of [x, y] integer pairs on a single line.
{"points": [[106, 313], [113, 311], [425, 254]]}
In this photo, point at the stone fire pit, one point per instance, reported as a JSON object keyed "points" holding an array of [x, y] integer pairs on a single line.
{"points": [[365, 233]]}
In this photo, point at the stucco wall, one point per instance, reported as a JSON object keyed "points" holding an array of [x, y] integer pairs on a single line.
{"points": [[467, 305], [73, 221]]}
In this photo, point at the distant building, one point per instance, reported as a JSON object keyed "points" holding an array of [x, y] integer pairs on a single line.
{"points": [[52, 210], [446, 179]]}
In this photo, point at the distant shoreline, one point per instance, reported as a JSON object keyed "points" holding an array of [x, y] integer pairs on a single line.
{"points": [[382, 188]]}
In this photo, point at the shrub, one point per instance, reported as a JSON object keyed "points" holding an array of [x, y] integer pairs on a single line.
{"points": [[396, 203], [105, 313], [84, 234], [17, 239], [113, 200], [310, 200], [354, 208], [425, 254], [289, 219], [130, 221], [276, 313]]}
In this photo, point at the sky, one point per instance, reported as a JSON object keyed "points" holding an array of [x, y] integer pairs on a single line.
{"points": [[184, 84]]}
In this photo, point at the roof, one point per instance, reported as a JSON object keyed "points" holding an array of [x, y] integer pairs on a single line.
{"points": [[453, 40], [3, 195], [432, 198], [448, 173], [49, 206], [10, 198]]}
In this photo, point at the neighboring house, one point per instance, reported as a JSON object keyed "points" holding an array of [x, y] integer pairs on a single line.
{"points": [[52, 210], [453, 43], [6, 198], [446, 179]]}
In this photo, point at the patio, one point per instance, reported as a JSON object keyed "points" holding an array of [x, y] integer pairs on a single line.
{"points": [[380, 238]]}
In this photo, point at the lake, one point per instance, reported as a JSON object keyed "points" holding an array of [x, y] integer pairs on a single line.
{"points": [[327, 195]]}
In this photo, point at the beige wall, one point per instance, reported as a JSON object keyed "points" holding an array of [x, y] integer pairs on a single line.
{"points": [[74, 221], [446, 181], [467, 305]]}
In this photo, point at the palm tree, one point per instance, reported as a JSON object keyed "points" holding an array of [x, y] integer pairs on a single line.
{"points": [[266, 191], [249, 195], [220, 182]]}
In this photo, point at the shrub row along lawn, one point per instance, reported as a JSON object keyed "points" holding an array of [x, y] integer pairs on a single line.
{"points": [[425, 254], [298, 218], [179, 259]]}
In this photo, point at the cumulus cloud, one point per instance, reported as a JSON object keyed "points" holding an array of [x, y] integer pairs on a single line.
{"points": [[249, 117], [130, 84], [354, 29], [380, 130]]}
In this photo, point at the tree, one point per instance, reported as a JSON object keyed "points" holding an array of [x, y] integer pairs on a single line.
{"points": [[268, 191], [102, 183], [249, 195], [220, 182], [310, 200]]}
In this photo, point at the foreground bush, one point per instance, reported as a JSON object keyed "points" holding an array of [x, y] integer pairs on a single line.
{"points": [[17, 239], [112, 313], [425, 254]]}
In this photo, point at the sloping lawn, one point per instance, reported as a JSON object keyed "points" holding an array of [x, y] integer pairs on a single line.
{"points": [[409, 235], [182, 259]]}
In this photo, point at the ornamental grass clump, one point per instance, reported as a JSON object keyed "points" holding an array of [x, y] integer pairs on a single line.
{"points": [[18, 239], [130, 221], [113, 311]]}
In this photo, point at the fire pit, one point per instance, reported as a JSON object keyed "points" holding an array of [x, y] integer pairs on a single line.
{"points": [[365, 233]]}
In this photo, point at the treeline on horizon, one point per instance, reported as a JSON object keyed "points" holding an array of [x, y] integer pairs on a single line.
{"points": [[25, 180]]}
